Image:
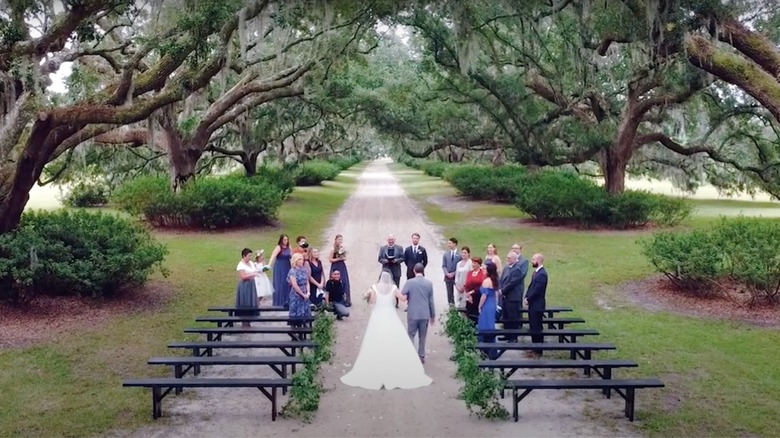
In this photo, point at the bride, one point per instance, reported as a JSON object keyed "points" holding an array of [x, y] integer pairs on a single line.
{"points": [[387, 356]]}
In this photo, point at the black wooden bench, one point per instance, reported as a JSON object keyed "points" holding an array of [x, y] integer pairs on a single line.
{"points": [[549, 312], [215, 334], [625, 388], [603, 368], [564, 335], [231, 310], [552, 323], [163, 386], [228, 321], [203, 348], [575, 350], [182, 364]]}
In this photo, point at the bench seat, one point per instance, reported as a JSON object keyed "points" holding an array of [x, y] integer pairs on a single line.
{"points": [[206, 348], [231, 310], [564, 335], [215, 334], [228, 321], [549, 311], [182, 364], [163, 386], [575, 350], [625, 388]]}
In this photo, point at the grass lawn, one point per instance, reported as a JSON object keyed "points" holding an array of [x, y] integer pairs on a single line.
{"points": [[72, 387], [722, 378]]}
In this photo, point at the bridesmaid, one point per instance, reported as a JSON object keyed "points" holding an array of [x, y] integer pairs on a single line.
{"points": [[298, 279], [493, 258], [316, 276], [338, 258], [488, 302], [280, 265], [246, 292]]}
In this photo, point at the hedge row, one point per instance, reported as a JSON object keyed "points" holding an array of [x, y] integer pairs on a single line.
{"points": [[555, 196], [75, 253], [217, 202], [737, 254]]}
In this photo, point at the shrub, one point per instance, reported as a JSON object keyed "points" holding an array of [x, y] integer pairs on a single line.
{"points": [[87, 194], [434, 168], [75, 253], [557, 196], [745, 251], [498, 184], [281, 177], [205, 203], [314, 172], [344, 162]]}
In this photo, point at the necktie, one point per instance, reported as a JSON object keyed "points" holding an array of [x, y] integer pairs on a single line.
{"points": [[452, 255]]}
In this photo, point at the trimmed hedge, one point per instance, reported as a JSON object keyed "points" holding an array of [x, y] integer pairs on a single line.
{"points": [[314, 172], [76, 253], [565, 197], [210, 203], [735, 252], [344, 162], [498, 184], [433, 168]]}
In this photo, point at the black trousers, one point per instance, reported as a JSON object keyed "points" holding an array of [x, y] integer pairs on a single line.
{"points": [[536, 326], [510, 313]]}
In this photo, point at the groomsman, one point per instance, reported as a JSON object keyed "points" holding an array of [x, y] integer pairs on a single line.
{"points": [[511, 285], [449, 263], [415, 253], [535, 300]]}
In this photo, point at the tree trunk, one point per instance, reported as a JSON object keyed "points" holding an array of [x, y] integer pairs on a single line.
{"points": [[17, 179], [614, 168], [249, 161]]}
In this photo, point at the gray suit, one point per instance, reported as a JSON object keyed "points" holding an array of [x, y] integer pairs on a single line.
{"points": [[419, 293], [449, 263]]}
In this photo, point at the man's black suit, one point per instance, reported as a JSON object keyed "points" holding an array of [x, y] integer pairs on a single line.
{"points": [[512, 283], [411, 258], [536, 297]]}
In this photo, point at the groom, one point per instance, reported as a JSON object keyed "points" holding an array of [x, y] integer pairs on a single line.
{"points": [[420, 313]]}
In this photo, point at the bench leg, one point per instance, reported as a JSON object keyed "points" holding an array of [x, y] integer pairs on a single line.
{"points": [[284, 376], [515, 402], [270, 396], [630, 403], [608, 376], [156, 402], [177, 374]]}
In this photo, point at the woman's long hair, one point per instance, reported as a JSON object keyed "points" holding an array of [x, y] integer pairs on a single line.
{"points": [[492, 273], [280, 242], [335, 245]]}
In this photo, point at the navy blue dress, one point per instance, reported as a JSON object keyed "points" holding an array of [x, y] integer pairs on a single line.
{"points": [[316, 274]]}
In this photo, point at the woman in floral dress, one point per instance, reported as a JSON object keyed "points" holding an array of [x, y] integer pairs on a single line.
{"points": [[298, 277]]}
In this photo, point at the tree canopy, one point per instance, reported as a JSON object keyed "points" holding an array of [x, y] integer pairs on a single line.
{"points": [[681, 89]]}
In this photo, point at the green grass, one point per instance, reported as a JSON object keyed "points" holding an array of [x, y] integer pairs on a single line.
{"points": [[722, 378], [72, 387]]}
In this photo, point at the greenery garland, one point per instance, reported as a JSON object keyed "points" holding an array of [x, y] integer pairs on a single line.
{"points": [[306, 385], [481, 387]]}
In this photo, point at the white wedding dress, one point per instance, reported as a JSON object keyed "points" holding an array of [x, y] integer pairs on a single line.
{"points": [[387, 356]]}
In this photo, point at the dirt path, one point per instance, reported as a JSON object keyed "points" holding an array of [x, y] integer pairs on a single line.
{"points": [[378, 207]]}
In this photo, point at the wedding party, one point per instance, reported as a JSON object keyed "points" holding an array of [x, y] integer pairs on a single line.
{"points": [[488, 292]]}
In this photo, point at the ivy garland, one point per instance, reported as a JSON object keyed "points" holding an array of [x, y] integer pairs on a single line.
{"points": [[481, 387], [307, 386]]}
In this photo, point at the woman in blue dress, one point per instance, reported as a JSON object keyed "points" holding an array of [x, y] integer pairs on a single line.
{"points": [[246, 292], [280, 266], [298, 278], [316, 278], [487, 306], [338, 258]]}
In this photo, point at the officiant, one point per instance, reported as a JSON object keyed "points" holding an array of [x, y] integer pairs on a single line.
{"points": [[391, 256]]}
